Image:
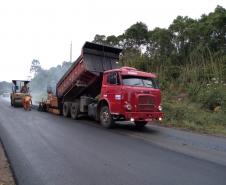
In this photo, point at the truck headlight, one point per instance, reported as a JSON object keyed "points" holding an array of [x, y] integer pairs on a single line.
{"points": [[160, 107]]}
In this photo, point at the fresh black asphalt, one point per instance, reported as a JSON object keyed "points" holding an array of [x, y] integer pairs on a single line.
{"points": [[45, 149]]}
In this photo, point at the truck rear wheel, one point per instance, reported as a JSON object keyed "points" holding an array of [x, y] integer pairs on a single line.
{"points": [[74, 110], [140, 124], [66, 109], [106, 119]]}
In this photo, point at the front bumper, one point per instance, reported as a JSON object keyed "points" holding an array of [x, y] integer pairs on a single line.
{"points": [[144, 116]]}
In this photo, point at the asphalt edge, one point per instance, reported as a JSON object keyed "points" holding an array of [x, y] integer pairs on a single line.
{"points": [[9, 162]]}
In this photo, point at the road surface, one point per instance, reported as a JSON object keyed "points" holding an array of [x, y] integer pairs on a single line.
{"points": [[45, 149]]}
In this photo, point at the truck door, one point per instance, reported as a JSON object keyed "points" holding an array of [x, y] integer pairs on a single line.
{"points": [[113, 91]]}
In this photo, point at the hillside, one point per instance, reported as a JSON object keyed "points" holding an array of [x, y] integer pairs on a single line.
{"points": [[190, 60]]}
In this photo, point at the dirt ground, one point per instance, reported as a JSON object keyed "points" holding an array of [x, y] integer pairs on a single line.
{"points": [[5, 173]]}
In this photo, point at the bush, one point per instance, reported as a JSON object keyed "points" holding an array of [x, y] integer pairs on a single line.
{"points": [[212, 97], [192, 117], [176, 111]]}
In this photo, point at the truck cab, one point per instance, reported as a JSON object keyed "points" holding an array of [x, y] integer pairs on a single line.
{"points": [[129, 94], [19, 90]]}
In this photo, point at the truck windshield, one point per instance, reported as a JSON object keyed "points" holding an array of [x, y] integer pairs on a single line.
{"points": [[140, 81]]}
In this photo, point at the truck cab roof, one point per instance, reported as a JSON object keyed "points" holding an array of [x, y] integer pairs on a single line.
{"points": [[25, 81], [132, 71]]}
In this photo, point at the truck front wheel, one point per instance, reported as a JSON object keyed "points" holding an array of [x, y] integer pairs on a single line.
{"points": [[106, 119]]}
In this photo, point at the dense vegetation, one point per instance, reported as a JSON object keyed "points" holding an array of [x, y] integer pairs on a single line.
{"points": [[189, 58]]}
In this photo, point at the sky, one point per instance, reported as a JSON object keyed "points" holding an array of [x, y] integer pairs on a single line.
{"points": [[44, 29]]}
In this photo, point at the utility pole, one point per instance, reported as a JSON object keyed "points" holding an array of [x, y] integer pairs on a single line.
{"points": [[71, 53]]}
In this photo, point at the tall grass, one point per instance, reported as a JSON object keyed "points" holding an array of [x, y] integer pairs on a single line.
{"points": [[203, 66]]}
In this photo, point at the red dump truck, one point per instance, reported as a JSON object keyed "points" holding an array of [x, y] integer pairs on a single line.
{"points": [[95, 86]]}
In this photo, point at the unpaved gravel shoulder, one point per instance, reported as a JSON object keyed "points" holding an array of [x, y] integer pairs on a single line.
{"points": [[6, 177]]}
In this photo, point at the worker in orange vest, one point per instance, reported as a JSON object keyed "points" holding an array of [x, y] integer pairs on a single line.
{"points": [[27, 102]]}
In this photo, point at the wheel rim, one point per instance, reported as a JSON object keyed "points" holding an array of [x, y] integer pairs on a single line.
{"points": [[74, 110], [105, 117]]}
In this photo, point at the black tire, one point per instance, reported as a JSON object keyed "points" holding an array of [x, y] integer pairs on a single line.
{"points": [[66, 109], [14, 103], [74, 110], [140, 124], [106, 119]]}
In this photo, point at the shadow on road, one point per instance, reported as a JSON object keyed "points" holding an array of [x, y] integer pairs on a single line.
{"points": [[133, 128], [125, 126]]}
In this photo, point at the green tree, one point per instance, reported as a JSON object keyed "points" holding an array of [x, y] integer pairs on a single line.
{"points": [[112, 40], [159, 45], [35, 66], [183, 33], [136, 35], [213, 29], [99, 39]]}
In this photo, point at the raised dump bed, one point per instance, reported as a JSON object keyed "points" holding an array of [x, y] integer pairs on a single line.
{"points": [[85, 75]]}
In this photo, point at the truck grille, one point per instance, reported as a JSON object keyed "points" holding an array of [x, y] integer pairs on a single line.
{"points": [[145, 103]]}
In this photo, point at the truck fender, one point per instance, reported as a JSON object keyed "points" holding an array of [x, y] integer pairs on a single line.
{"points": [[102, 102]]}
